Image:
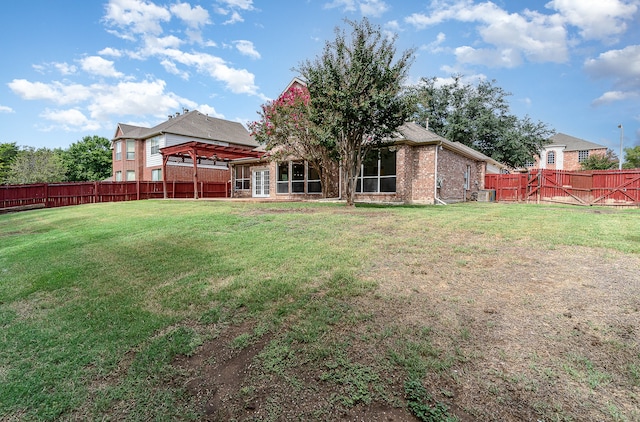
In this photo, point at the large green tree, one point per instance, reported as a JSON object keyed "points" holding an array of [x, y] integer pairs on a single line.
{"points": [[88, 159], [355, 88], [631, 158], [478, 116], [8, 153], [41, 165]]}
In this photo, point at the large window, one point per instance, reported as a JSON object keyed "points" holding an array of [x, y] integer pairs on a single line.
{"points": [[131, 175], [243, 177], [131, 150], [156, 175], [118, 176], [283, 178], [118, 148], [297, 177], [154, 145], [583, 155], [313, 180], [378, 172], [551, 157]]}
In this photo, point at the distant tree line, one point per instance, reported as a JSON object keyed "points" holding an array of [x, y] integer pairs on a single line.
{"points": [[85, 160]]}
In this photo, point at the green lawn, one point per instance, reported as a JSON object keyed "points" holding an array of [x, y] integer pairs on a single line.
{"points": [[97, 300]]}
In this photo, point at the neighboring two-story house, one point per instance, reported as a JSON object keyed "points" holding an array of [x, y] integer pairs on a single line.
{"points": [[187, 144], [565, 152]]}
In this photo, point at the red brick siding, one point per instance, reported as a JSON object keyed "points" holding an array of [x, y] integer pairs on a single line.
{"points": [[451, 169]]}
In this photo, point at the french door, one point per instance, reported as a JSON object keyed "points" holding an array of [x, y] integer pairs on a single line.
{"points": [[261, 184]]}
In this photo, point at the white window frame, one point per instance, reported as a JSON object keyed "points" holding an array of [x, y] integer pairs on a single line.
{"points": [[243, 182], [583, 155], [131, 175], [118, 149], [551, 157], [156, 175], [131, 150], [154, 145], [118, 176]]}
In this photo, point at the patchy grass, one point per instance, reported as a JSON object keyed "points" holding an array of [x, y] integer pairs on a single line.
{"points": [[183, 309]]}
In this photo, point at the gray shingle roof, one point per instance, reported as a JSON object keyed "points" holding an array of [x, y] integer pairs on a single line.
{"points": [[194, 125], [416, 134], [572, 143]]}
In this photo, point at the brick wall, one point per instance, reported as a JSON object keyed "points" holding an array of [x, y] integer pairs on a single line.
{"points": [[451, 169], [415, 177]]}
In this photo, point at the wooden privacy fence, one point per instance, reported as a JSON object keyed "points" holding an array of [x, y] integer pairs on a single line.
{"points": [[62, 194], [597, 187]]}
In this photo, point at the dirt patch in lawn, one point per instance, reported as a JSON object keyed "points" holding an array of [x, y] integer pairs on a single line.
{"points": [[511, 332]]}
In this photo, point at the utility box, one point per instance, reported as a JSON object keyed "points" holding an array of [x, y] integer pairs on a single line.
{"points": [[486, 195]]}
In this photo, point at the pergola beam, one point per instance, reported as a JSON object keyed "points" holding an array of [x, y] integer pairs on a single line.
{"points": [[200, 150]]}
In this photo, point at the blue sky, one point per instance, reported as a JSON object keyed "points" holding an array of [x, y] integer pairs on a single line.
{"points": [[74, 68]]}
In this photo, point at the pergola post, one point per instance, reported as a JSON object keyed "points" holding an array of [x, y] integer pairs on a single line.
{"points": [[165, 158], [194, 157]]}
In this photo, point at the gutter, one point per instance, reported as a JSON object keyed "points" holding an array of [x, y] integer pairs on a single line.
{"points": [[436, 200]]}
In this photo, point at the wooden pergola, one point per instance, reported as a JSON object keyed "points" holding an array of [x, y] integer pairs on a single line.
{"points": [[201, 150]]}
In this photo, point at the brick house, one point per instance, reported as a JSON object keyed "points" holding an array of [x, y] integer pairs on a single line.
{"points": [[188, 146], [566, 152], [415, 166]]}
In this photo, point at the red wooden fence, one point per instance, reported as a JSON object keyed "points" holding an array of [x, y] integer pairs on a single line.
{"points": [[62, 194], [597, 187]]}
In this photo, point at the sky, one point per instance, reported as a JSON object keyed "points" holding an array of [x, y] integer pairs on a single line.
{"points": [[76, 68]]}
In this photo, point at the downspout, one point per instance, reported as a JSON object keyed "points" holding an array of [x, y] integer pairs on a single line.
{"points": [[436, 200]]}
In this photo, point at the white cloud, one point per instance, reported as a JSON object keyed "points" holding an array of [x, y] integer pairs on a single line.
{"points": [[113, 52], [133, 98], [375, 8], [6, 109], [613, 96], [238, 4], [65, 68], [247, 48], [511, 38], [138, 16], [235, 18], [56, 92], [623, 68], [621, 65], [596, 19], [172, 68], [96, 65], [436, 45], [239, 81], [69, 120], [234, 7], [194, 17], [208, 110]]}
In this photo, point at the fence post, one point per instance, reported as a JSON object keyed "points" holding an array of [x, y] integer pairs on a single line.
{"points": [[46, 195]]}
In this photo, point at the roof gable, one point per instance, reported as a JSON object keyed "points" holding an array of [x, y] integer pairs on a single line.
{"points": [[193, 124], [571, 143]]}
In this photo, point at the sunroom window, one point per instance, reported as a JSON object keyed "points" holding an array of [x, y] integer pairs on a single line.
{"points": [[378, 172]]}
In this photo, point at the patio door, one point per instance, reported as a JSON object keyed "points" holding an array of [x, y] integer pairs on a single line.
{"points": [[261, 184]]}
